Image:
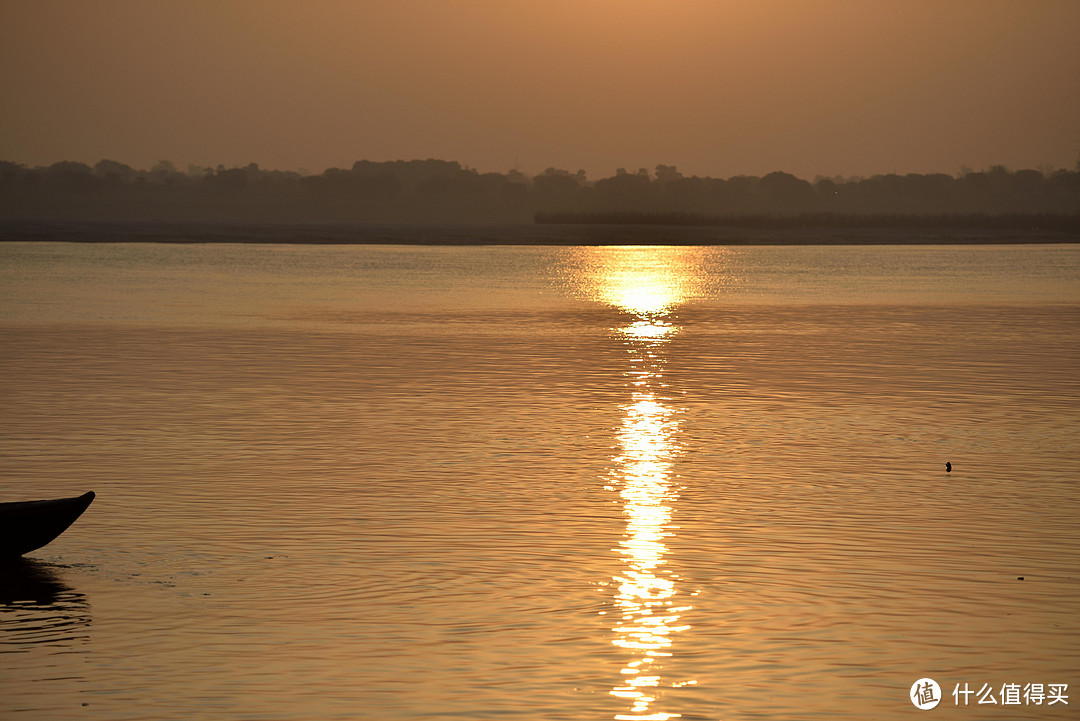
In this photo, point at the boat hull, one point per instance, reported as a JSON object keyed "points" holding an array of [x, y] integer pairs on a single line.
{"points": [[28, 525]]}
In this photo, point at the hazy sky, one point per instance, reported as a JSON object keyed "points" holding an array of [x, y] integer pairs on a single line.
{"points": [[716, 87]]}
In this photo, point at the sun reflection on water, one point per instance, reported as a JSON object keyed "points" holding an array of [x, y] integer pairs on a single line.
{"points": [[649, 284], [646, 591], [643, 280]]}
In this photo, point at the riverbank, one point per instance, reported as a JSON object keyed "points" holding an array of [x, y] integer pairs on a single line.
{"points": [[545, 233]]}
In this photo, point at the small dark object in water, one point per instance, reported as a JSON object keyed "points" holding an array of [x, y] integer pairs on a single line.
{"points": [[28, 525], [948, 467], [1019, 578]]}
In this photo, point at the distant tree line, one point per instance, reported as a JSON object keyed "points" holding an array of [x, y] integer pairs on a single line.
{"points": [[446, 191]]}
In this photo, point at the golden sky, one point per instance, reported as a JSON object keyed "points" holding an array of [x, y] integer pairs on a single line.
{"points": [[716, 87]]}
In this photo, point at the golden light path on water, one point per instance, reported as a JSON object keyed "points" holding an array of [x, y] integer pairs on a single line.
{"points": [[647, 283]]}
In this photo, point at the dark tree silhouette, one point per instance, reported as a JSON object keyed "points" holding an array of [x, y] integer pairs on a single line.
{"points": [[445, 191]]}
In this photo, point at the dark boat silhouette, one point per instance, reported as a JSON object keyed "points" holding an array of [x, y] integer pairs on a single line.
{"points": [[28, 525]]}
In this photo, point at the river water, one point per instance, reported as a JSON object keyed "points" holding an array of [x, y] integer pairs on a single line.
{"points": [[390, 482]]}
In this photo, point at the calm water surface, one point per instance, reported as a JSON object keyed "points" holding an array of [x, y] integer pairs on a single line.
{"points": [[540, 483]]}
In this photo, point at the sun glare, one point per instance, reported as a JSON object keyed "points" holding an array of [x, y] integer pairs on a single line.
{"points": [[643, 280], [646, 592], [649, 284]]}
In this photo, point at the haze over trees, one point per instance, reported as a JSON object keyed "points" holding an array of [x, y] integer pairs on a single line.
{"points": [[447, 191]]}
